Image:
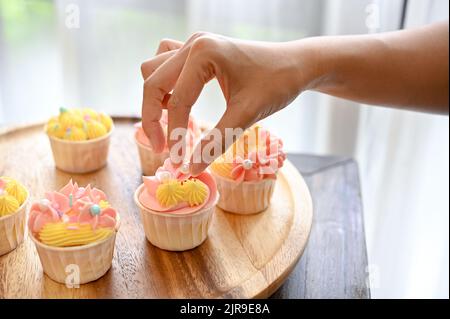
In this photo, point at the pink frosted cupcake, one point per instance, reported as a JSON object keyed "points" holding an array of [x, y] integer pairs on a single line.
{"points": [[151, 161], [176, 209], [247, 172], [74, 230]]}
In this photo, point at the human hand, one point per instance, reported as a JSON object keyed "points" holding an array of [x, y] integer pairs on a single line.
{"points": [[257, 79]]}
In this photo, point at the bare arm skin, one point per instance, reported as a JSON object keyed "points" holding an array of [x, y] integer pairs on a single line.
{"points": [[404, 69]]}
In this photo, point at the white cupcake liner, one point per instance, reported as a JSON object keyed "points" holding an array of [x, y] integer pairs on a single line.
{"points": [[175, 232], [246, 197], [150, 161], [12, 229], [80, 156], [79, 264]]}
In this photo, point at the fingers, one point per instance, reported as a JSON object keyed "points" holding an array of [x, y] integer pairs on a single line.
{"points": [[156, 87], [193, 77], [166, 45], [216, 142], [149, 66], [151, 114], [166, 49], [163, 73]]}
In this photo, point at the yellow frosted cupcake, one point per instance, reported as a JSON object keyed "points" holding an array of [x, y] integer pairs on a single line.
{"points": [[13, 200], [247, 172], [74, 226], [79, 139]]}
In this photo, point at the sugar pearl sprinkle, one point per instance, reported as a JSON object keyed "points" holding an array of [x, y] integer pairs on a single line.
{"points": [[184, 168], [247, 164]]}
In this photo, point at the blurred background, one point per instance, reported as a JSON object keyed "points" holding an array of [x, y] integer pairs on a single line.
{"points": [[88, 53]]}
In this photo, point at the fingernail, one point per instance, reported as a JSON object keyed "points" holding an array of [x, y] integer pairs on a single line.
{"points": [[173, 101]]}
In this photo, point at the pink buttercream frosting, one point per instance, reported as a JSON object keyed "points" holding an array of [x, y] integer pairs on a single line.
{"points": [[73, 204], [192, 136], [252, 163], [168, 172]]}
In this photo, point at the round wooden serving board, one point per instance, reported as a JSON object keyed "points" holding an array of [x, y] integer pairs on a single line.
{"points": [[243, 256]]}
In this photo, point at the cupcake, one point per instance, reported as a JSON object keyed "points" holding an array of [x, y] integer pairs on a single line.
{"points": [[13, 200], [79, 139], [246, 173], [151, 161], [74, 227], [176, 209]]}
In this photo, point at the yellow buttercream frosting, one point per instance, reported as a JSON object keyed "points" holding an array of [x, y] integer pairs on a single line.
{"points": [[104, 204], [55, 129], [71, 234], [221, 167], [79, 124], [195, 192], [91, 113], [16, 190], [70, 119], [106, 120], [12, 195], [95, 129], [75, 134], [170, 193], [173, 192], [8, 205]]}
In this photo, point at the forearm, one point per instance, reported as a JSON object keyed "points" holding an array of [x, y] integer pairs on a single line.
{"points": [[405, 69]]}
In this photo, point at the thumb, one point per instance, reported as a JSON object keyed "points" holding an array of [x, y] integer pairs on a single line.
{"points": [[229, 128]]}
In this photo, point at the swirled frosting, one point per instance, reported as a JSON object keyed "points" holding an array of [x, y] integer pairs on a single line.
{"points": [[173, 190], [192, 136], [255, 156], [79, 124], [72, 216], [12, 195]]}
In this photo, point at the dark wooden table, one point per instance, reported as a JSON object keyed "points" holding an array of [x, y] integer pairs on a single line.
{"points": [[334, 264]]}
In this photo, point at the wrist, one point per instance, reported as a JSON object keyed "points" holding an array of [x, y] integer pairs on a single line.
{"points": [[312, 67]]}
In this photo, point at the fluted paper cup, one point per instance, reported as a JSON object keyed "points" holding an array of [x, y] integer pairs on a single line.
{"points": [[175, 232], [150, 161], [12, 229], [78, 264], [80, 156], [246, 197]]}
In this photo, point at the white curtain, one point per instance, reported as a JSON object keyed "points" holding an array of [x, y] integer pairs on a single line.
{"points": [[404, 163]]}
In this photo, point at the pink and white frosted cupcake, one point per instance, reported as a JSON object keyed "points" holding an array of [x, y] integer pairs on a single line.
{"points": [[150, 160], [74, 230], [176, 209], [247, 172]]}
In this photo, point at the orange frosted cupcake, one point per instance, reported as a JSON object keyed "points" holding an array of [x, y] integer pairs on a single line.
{"points": [[150, 160], [176, 209], [79, 139], [74, 230], [13, 201], [247, 172]]}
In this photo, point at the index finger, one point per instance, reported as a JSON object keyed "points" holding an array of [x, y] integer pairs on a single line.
{"points": [[156, 89]]}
